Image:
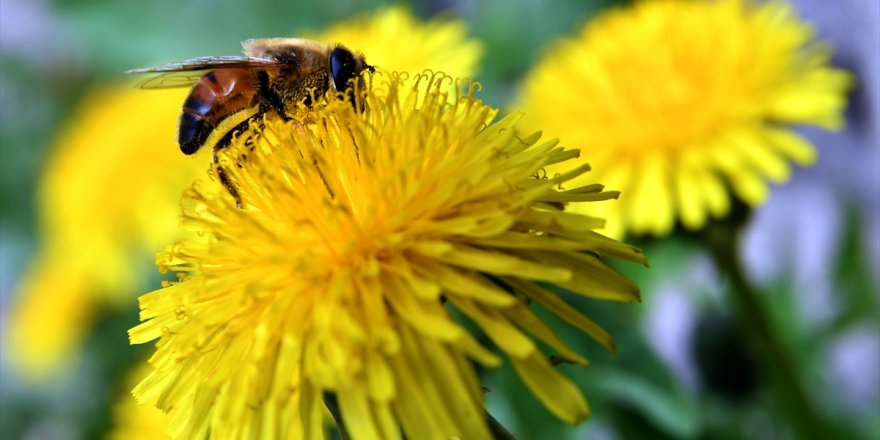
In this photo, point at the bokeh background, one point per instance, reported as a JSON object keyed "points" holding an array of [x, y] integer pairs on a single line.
{"points": [[683, 369]]}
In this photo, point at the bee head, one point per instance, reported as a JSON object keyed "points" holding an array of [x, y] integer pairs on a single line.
{"points": [[345, 66]]}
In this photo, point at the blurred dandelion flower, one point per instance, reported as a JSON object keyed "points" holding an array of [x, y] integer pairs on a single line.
{"points": [[107, 198], [359, 232], [394, 40], [675, 101]]}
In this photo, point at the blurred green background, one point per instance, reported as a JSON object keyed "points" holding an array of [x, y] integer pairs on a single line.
{"points": [[683, 368]]}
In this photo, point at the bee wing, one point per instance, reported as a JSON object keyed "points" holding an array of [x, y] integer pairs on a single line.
{"points": [[170, 80], [187, 72]]}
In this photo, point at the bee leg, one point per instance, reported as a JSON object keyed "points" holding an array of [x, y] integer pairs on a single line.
{"points": [[224, 178], [223, 143]]}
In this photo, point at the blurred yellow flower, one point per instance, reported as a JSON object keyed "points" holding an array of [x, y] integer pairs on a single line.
{"points": [[108, 198], [360, 232], [393, 39], [674, 101]]}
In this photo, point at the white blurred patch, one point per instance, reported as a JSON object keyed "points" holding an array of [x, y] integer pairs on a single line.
{"points": [[27, 28], [597, 430], [796, 236], [671, 314], [853, 368], [872, 232], [668, 327], [53, 429], [36, 35]]}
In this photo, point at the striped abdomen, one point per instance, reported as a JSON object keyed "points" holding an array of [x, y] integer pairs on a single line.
{"points": [[218, 95]]}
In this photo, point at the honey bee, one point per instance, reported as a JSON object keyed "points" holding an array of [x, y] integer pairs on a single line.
{"points": [[229, 92]]}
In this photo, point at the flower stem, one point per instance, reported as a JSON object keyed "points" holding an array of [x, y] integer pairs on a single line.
{"points": [[722, 238]]}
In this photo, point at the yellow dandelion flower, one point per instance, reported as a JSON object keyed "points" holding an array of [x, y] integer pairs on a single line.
{"points": [[107, 199], [674, 101], [394, 40], [359, 233]]}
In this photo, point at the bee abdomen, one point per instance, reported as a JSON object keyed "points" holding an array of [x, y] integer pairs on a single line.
{"points": [[215, 97], [194, 130]]}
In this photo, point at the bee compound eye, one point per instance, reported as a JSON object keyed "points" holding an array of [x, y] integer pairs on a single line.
{"points": [[342, 67]]}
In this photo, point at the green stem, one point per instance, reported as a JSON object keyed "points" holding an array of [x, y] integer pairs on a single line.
{"points": [[723, 239]]}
